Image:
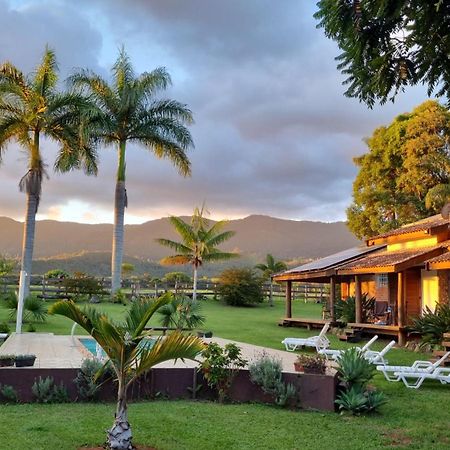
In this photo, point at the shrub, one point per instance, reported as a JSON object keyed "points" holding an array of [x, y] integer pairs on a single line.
{"points": [[87, 379], [57, 273], [267, 372], [355, 372], [345, 310], [181, 313], [33, 307], [45, 391], [4, 328], [433, 324], [312, 363], [240, 287], [220, 366], [81, 285], [8, 393]]}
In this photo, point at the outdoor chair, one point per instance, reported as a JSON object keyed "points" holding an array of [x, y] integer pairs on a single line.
{"points": [[391, 373], [415, 379], [319, 342], [334, 354], [378, 357]]}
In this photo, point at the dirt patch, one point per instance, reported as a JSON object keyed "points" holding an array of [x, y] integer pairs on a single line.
{"points": [[397, 438]]}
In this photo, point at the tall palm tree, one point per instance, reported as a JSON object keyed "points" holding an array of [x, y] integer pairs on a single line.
{"points": [[31, 108], [128, 112], [268, 269], [198, 243], [126, 346]]}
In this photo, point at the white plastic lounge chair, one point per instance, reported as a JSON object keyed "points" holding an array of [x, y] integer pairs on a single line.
{"points": [[416, 367], [319, 342], [441, 374], [334, 354], [378, 357]]}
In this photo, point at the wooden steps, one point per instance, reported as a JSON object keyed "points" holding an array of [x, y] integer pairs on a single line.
{"points": [[351, 335], [439, 353]]}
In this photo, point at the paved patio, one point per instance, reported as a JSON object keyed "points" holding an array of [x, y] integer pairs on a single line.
{"points": [[56, 351]]}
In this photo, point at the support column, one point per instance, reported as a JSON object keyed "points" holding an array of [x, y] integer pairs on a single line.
{"points": [[288, 299], [332, 297], [401, 307], [358, 304]]}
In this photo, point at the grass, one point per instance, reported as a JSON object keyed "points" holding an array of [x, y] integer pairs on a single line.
{"points": [[410, 420]]}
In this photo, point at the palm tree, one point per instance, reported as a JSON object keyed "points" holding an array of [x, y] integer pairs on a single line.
{"points": [[271, 267], [127, 112], [126, 346], [198, 243], [32, 108]]}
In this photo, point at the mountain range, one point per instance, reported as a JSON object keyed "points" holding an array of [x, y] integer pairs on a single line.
{"points": [[73, 245]]}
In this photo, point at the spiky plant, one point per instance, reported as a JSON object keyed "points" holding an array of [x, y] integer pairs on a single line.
{"points": [[129, 112], [31, 107], [198, 244], [124, 345]]}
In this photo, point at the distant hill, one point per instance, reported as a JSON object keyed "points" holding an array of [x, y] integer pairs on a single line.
{"points": [[74, 244]]}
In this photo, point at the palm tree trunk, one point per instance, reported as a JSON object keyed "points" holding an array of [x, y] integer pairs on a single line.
{"points": [[120, 436], [117, 245], [194, 287], [27, 254]]}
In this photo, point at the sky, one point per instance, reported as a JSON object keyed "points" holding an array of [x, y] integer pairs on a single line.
{"points": [[273, 132]]}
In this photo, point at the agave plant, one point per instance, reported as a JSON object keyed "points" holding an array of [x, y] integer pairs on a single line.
{"points": [[353, 368], [433, 324], [129, 356], [345, 309]]}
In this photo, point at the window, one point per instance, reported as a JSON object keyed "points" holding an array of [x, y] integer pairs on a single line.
{"points": [[382, 280]]}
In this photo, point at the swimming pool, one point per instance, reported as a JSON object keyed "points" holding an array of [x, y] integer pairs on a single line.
{"points": [[91, 344]]}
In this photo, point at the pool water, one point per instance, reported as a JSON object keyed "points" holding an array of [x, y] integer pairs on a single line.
{"points": [[90, 344]]}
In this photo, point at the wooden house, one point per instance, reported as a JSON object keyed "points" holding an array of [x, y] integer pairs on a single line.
{"points": [[406, 270]]}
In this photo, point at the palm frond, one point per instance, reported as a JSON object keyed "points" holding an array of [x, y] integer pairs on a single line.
{"points": [[219, 238], [149, 83], [122, 72], [185, 230], [175, 260], [45, 77], [219, 256], [177, 246]]}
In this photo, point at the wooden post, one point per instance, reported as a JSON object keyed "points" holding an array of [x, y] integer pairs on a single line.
{"points": [[358, 304], [332, 298], [401, 307], [288, 299]]}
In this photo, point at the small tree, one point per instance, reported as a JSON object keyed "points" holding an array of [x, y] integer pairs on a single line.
{"points": [[175, 279], [240, 287], [268, 269], [124, 344], [127, 269], [57, 273], [199, 241]]}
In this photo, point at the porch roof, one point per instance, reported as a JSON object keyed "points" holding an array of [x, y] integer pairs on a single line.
{"points": [[385, 262], [323, 268], [425, 227], [439, 262]]}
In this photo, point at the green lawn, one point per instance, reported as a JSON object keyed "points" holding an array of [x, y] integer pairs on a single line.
{"points": [[410, 420]]}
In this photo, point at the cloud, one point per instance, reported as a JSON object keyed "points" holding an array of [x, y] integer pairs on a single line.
{"points": [[274, 133]]}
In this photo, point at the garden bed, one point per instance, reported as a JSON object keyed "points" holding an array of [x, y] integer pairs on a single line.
{"points": [[313, 391]]}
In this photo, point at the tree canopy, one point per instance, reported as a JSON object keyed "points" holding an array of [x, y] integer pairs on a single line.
{"points": [[387, 45], [405, 176]]}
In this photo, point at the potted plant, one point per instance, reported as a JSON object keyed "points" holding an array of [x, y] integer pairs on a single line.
{"points": [[7, 360], [310, 364], [25, 360]]}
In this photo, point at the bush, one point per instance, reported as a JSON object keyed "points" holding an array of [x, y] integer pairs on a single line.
{"points": [[433, 324], [45, 391], [87, 379], [4, 328], [220, 366], [8, 393], [81, 285], [57, 273], [181, 313], [355, 372], [345, 310], [33, 308], [240, 287], [267, 372]]}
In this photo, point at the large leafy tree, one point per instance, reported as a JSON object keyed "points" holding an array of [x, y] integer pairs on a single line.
{"points": [[405, 176], [387, 45], [129, 111], [126, 346], [270, 267], [32, 108], [199, 241]]}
